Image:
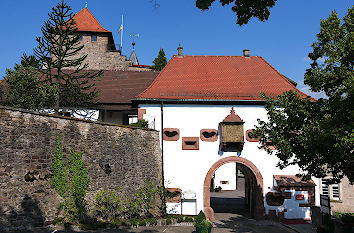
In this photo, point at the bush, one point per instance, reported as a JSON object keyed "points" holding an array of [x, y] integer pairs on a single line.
{"points": [[108, 204], [140, 124], [202, 223], [345, 217], [189, 219], [200, 217]]}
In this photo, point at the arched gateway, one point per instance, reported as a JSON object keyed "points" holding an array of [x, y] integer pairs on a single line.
{"points": [[259, 210]]}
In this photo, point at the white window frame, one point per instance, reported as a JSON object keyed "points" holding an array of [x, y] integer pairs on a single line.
{"points": [[331, 189]]}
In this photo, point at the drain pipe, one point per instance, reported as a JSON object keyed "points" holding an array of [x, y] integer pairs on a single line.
{"points": [[163, 178], [162, 162]]}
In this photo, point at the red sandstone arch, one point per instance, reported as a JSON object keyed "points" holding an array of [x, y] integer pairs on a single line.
{"points": [[259, 210]]}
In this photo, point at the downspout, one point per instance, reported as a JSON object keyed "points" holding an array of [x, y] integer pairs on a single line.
{"points": [[162, 163], [163, 178]]}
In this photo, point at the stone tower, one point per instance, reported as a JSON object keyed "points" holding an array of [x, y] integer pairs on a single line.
{"points": [[102, 52]]}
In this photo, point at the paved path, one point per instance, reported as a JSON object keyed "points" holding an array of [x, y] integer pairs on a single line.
{"points": [[225, 223]]}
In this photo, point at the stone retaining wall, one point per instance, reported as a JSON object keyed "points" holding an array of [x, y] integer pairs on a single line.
{"points": [[116, 156]]}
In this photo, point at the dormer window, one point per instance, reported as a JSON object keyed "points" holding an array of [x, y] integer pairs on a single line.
{"points": [[93, 38], [171, 134]]}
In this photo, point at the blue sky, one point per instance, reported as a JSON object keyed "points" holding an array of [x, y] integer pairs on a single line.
{"points": [[284, 40]]}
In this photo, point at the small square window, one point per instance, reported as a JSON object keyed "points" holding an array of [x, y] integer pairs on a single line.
{"points": [[93, 38], [190, 143], [224, 182], [80, 38]]}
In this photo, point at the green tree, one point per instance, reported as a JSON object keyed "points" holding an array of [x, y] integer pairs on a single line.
{"points": [[160, 61], [25, 90], [63, 67], [244, 9], [22, 86], [28, 61], [318, 136]]}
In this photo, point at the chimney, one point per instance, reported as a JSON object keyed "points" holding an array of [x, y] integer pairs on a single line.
{"points": [[246, 53], [180, 51]]}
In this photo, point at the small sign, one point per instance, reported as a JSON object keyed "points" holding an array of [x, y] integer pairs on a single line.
{"points": [[299, 197]]}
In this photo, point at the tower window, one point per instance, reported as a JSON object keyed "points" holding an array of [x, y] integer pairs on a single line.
{"points": [[93, 38]]}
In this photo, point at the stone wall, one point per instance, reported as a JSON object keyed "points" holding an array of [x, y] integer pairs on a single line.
{"points": [[346, 202], [27, 145], [99, 56]]}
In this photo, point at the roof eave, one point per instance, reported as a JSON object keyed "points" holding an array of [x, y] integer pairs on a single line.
{"points": [[221, 101]]}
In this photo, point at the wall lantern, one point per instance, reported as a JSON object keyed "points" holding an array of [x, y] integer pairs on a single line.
{"points": [[232, 133]]}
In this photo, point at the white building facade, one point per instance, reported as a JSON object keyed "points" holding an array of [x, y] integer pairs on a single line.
{"points": [[189, 102]]}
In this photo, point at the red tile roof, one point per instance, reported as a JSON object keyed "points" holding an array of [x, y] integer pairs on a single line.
{"points": [[216, 78], [232, 117], [86, 22]]}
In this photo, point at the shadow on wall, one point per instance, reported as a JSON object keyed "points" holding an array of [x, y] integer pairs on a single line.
{"points": [[27, 217]]}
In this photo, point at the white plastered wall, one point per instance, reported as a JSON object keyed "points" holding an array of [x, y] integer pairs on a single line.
{"points": [[186, 169], [226, 172]]}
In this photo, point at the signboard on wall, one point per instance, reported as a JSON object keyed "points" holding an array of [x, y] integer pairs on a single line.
{"points": [[325, 204], [299, 197]]}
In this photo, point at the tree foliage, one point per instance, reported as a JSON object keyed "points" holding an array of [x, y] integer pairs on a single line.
{"points": [[63, 67], [24, 88], [28, 61], [244, 9], [160, 61], [318, 136]]}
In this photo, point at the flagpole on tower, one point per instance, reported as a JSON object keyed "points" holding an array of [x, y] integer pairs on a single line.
{"points": [[121, 37]]}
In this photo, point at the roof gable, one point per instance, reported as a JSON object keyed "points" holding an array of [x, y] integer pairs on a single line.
{"points": [[217, 78], [85, 21], [232, 117]]}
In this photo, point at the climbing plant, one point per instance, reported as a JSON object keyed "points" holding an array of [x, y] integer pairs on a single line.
{"points": [[72, 190], [58, 170]]}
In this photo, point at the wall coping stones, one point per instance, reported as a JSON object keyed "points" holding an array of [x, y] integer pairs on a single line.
{"points": [[71, 118]]}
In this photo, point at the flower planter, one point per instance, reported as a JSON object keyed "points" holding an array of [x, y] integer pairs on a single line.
{"points": [[199, 229]]}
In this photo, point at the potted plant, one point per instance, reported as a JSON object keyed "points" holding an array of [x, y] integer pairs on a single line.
{"points": [[202, 224]]}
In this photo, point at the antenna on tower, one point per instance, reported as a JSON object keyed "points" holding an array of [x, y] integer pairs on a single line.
{"points": [[85, 4]]}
